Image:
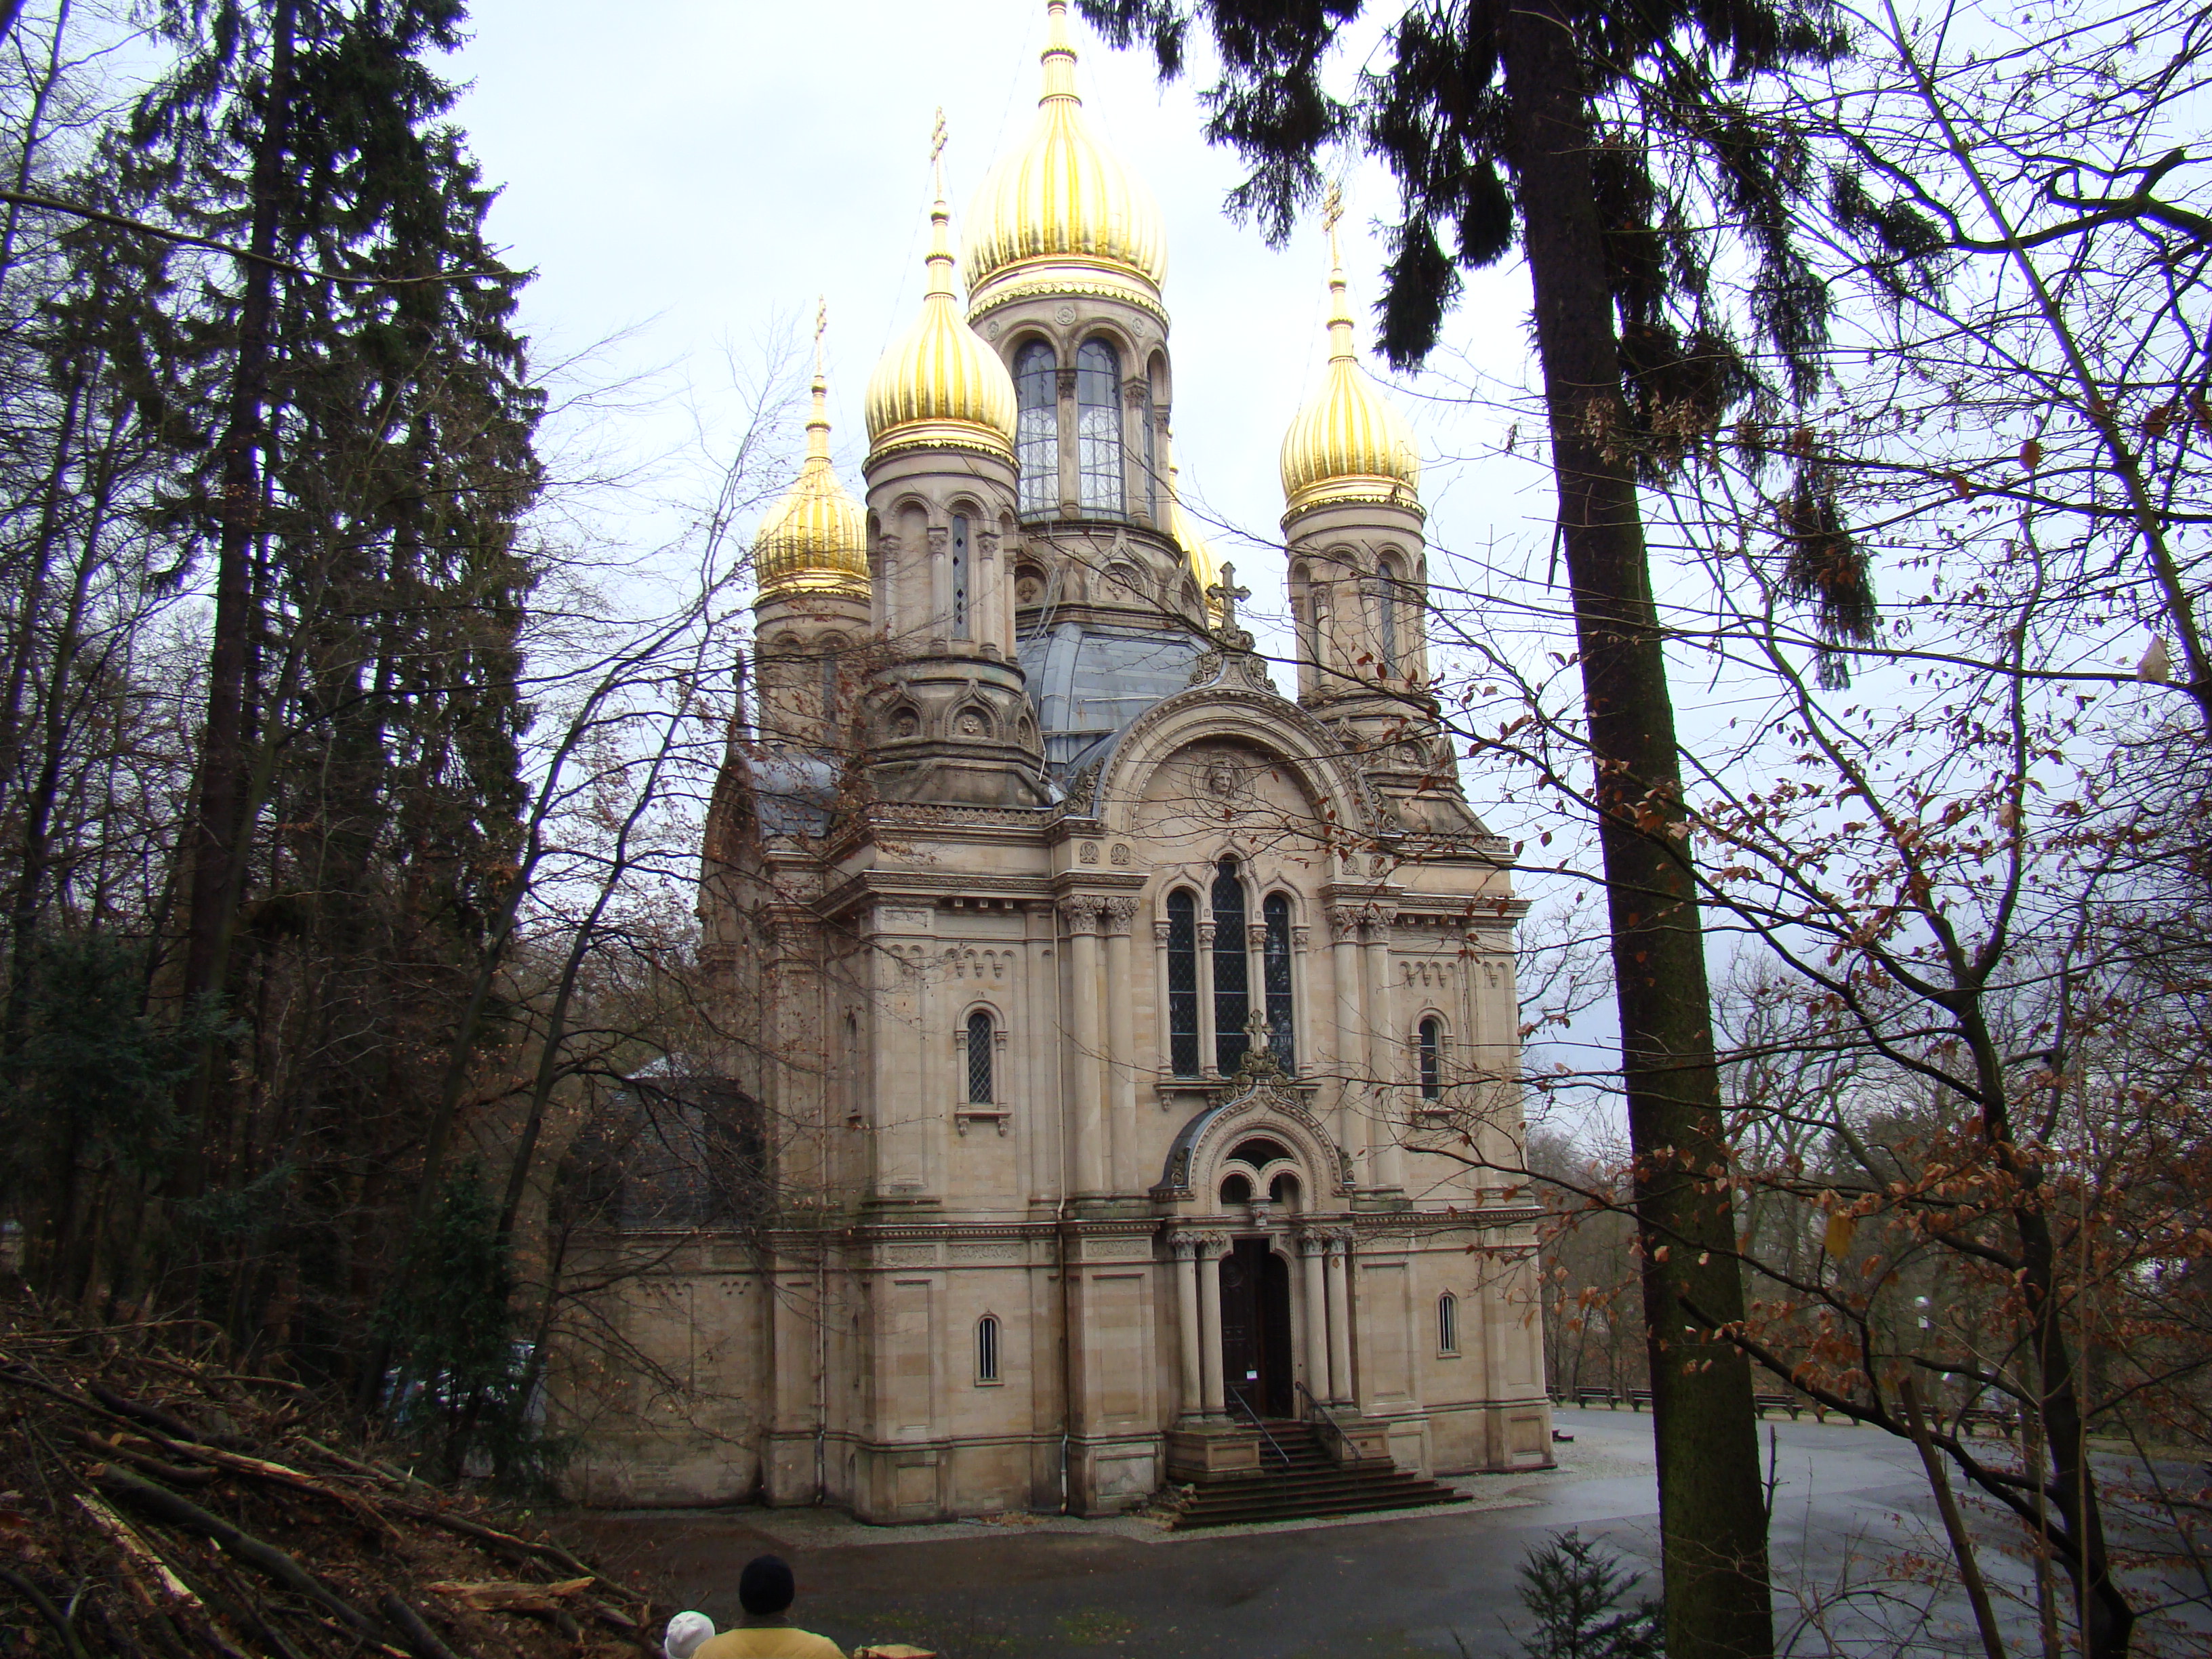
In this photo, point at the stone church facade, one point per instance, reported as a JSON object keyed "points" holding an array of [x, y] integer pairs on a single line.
{"points": [[1128, 1042]]}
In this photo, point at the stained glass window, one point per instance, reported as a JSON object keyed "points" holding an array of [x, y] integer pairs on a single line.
{"points": [[1036, 427], [1275, 980], [1232, 980], [1182, 983]]}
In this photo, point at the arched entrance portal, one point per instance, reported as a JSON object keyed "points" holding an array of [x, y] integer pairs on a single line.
{"points": [[1255, 1328]]}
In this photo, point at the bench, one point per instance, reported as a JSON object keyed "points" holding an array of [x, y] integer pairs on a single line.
{"points": [[1763, 1403], [1638, 1399], [1586, 1396], [2006, 1423]]}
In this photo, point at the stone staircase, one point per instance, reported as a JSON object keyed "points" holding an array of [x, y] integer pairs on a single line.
{"points": [[1310, 1484]]}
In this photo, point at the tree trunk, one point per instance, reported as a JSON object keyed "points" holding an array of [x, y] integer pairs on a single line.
{"points": [[1711, 1504], [220, 797]]}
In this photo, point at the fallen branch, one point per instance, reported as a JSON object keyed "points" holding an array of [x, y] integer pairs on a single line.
{"points": [[164, 1505], [421, 1640]]}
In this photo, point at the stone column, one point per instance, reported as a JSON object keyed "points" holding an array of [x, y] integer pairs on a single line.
{"points": [[1340, 1321], [1069, 484], [1313, 1249], [988, 627], [1382, 1052], [1121, 1046], [1349, 1051], [1188, 1324], [1255, 974], [940, 582], [1088, 1172], [1210, 1247], [1207, 1066]]}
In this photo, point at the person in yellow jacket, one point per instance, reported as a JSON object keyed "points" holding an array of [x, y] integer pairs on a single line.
{"points": [[766, 1591]]}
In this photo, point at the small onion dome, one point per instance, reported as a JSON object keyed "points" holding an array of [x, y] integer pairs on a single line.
{"points": [[940, 388], [1348, 444], [1205, 569], [1061, 215], [816, 538]]}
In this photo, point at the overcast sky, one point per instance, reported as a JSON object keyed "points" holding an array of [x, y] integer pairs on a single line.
{"points": [[699, 171]]}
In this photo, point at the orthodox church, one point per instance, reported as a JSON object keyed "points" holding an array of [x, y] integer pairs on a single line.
{"points": [[1124, 1043]]}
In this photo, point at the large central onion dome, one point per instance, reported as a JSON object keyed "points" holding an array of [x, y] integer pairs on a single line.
{"points": [[940, 386], [815, 539], [1348, 444], [1061, 215]]}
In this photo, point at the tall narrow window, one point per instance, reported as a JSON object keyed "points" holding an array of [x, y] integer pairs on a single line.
{"points": [[959, 577], [1430, 1053], [829, 682], [1098, 429], [987, 1348], [980, 1036], [1232, 978], [1152, 460], [1036, 427], [1447, 1323], [1386, 607], [1182, 983], [1275, 978]]}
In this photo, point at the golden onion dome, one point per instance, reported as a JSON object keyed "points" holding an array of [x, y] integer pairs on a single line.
{"points": [[816, 538], [940, 386], [1061, 215], [1348, 444]]}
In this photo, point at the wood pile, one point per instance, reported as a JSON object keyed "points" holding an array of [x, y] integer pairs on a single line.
{"points": [[154, 1503]]}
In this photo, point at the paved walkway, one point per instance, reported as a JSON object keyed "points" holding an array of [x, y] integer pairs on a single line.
{"points": [[1428, 1583]]}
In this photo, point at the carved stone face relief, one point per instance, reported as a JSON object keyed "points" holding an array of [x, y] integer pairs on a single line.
{"points": [[906, 724], [1222, 780]]}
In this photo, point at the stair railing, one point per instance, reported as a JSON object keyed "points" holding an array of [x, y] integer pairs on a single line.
{"points": [[1238, 1403], [1319, 1414]]}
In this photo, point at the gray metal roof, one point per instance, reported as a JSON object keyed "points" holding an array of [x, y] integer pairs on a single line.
{"points": [[1088, 682]]}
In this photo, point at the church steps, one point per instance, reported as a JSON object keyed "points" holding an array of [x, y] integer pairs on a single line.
{"points": [[1309, 1485]]}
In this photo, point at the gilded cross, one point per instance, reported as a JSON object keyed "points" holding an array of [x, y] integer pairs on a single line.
{"points": [[1226, 593], [936, 136]]}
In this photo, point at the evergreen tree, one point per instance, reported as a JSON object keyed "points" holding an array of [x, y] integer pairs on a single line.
{"points": [[1574, 1594], [1596, 138], [364, 421]]}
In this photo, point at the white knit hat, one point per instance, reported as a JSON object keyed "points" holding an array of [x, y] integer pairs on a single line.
{"points": [[686, 1630]]}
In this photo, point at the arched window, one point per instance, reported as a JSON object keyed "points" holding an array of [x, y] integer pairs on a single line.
{"points": [[1182, 983], [1152, 457], [1447, 1323], [1232, 980], [1275, 981], [829, 649], [1098, 428], [980, 1036], [1237, 1189], [1429, 1051], [1036, 427], [1386, 607], [959, 577], [987, 1348]]}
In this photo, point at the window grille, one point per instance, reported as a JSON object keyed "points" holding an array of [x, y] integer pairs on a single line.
{"points": [[1386, 600], [959, 578], [1037, 429], [1447, 1323], [987, 1348], [1098, 429], [1182, 983], [1232, 978], [980, 1035], [1430, 1049], [1275, 981]]}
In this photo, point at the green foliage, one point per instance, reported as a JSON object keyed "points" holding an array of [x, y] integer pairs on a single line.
{"points": [[91, 1079], [1574, 1593], [459, 1387]]}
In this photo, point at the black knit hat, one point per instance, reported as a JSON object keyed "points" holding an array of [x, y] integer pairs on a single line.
{"points": [[766, 1586]]}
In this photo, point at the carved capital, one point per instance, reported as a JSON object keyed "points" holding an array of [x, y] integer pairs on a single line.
{"points": [[1211, 1245], [1080, 913], [1313, 1242], [1205, 936], [1300, 938], [1344, 927], [1185, 1245], [986, 545], [1064, 382], [1256, 935], [1119, 913], [1135, 389], [939, 540], [1160, 929]]}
